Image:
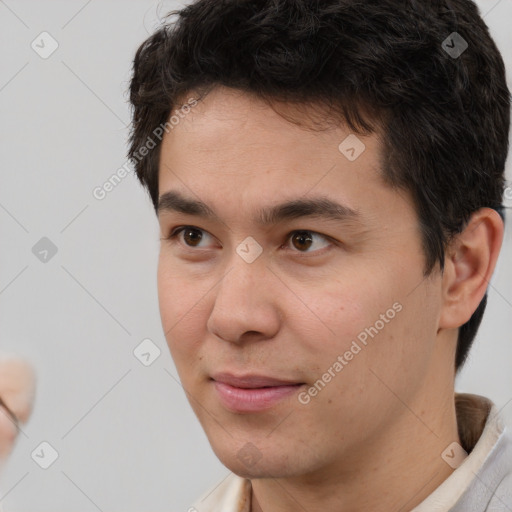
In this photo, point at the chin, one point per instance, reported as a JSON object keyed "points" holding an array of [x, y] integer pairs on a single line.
{"points": [[247, 461]]}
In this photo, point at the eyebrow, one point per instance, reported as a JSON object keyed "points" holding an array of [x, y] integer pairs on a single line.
{"points": [[175, 202], [320, 207]]}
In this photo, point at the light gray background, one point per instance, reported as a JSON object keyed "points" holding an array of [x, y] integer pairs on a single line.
{"points": [[125, 434]]}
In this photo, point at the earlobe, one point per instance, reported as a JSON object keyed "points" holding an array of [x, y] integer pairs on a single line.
{"points": [[469, 265]]}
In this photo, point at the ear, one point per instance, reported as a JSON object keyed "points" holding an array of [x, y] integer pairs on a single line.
{"points": [[469, 263]]}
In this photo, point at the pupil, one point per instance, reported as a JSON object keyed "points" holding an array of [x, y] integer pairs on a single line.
{"points": [[302, 241], [192, 236]]}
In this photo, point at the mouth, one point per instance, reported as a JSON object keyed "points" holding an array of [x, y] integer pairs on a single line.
{"points": [[252, 393]]}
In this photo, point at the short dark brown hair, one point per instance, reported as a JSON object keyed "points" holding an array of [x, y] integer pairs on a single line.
{"points": [[374, 64]]}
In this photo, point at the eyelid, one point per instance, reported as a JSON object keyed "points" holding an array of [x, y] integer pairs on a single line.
{"points": [[326, 238], [176, 231]]}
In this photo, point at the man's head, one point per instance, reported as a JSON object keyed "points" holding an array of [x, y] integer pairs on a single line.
{"points": [[326, 189], [379, 66]]}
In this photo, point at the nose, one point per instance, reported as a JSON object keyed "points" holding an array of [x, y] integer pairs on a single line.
{"points": [[245, 304]]}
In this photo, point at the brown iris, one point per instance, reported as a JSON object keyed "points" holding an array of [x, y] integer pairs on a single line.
{"points": [[302, 240], [192, 236]]}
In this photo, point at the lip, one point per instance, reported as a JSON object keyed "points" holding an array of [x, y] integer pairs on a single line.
{"points": [[252, 380], [252, 393]]}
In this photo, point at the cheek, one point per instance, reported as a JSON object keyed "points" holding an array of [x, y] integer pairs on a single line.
{"points": [[337, 312], [183, 312], [177, 294], [368, 312]]}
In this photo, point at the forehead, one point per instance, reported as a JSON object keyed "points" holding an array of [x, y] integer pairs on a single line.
{"points": [[234, 136]]}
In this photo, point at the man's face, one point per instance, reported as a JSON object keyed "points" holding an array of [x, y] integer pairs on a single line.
{"points": [[327, 294]]}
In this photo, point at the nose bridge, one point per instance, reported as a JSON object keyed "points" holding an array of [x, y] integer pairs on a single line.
{"points": [[242, 285], [244, 301]]}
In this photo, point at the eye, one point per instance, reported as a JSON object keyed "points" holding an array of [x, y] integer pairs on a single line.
{"points": [[192, 237], [307, 241]]}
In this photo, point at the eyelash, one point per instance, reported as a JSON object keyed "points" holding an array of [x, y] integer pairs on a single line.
{"points": [[178, 230]]}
